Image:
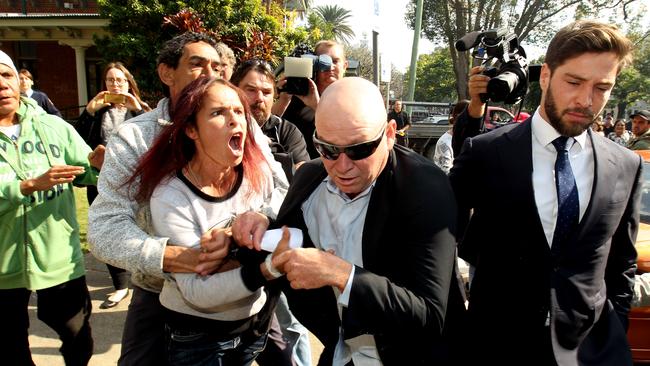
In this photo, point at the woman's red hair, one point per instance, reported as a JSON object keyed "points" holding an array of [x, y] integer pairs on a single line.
{"points": [[172, 150]]}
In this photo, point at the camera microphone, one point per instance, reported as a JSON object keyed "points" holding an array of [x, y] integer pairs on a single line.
{"points": [[468, 41]]}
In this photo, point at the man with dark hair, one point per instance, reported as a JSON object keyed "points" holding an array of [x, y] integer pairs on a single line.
{"points": [[256, 79], [402, 120], [26, 83], [300, 109], [554, 274], [641, 131], [118, 226]]}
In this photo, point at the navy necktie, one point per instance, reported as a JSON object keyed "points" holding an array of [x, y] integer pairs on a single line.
{"points": [[567, 194]]}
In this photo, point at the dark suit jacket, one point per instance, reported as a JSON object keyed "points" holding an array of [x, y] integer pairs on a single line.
{"points": [[401, 294], [586, 284], [45, 102]]}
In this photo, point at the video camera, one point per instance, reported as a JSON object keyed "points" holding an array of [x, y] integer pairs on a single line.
{"points": [[509, 73], [300, 66]]}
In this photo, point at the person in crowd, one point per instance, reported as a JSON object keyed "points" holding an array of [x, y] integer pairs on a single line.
{"points": [[598, 126], [40, 249], [299, 109], [116, 103], [118, 226], [201, 170], [608, 126], [641, 130], [228, 61], [444, 154], [372, 291], [255, 78], [567, 202], [26, 83], [402, 120], [620, 135]]}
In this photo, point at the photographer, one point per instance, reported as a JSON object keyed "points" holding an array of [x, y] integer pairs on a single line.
{"points": [[299, 109], [468, 123]]}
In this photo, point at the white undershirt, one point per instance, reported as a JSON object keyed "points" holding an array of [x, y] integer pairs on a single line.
{"points": [[544, 156], [12, 131], [335, 222]]}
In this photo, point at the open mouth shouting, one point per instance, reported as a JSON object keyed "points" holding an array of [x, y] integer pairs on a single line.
{"points": [[236, 143]]}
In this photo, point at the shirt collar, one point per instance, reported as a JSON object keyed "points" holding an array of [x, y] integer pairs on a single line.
{"points": [[333, 189], [545, 133]]}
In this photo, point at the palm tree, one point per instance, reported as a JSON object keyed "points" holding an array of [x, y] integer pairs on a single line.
{"points": [[332, 20]]}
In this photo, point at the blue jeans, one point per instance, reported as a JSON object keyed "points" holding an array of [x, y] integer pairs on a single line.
{"points": [[188, 348]]}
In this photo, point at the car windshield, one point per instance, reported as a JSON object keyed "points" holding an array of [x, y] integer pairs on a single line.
{"points": [[645, 195]]}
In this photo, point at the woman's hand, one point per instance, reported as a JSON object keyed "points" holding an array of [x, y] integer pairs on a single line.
{"points": [[97, 103], [132, 103]]}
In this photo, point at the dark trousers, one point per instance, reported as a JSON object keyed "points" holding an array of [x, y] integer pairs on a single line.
{"points": [[65, 308], [143, 339], [119, 276]]}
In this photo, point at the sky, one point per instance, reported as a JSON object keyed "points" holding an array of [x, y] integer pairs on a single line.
{"points": [[396, 39]]}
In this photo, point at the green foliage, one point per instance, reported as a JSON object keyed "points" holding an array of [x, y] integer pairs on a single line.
{"points": [[363, 54], [331, 21], [138, 32], [436, 81], [633, 83]]}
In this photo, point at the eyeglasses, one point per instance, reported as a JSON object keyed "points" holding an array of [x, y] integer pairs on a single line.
{"points": [[118, 81], [354, 152]]}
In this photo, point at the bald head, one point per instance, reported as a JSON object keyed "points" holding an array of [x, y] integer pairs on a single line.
{"points": [[350, 112], [352, 106]]}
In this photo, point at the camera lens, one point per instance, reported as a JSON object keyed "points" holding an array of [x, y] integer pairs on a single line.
{"points": [[502, 85]]}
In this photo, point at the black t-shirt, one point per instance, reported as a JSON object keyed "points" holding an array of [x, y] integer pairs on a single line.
{"points": [[402, 118], [303, 117], [287, 143]]}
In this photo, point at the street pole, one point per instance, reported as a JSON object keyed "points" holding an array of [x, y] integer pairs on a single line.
{"points": [[375, 57], [414, 52]]}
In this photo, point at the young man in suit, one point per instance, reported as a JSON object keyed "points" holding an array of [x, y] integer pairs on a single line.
{"points": [[555, 215], [375, 279]]}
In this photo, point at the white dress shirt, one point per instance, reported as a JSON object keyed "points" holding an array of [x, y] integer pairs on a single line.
{"points": [[544, 155], [335, 222]]}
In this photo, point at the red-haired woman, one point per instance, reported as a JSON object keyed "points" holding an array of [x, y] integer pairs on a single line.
{"points": [[203, 169]]}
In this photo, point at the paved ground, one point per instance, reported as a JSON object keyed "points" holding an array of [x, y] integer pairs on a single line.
{"points": [[106, 324]]}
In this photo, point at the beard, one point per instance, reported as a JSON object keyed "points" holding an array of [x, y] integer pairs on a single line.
{"points": [[259, 113], [563, 127]]}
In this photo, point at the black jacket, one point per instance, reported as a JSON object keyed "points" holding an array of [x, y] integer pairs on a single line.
{"points": [[407, 291]]}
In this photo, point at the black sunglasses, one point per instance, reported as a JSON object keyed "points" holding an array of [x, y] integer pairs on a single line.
{"points": [[358, 151]]}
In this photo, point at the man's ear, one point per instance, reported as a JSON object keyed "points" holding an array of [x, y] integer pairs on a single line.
{"points": [[166, 74], [544, 77], [391, 129]]}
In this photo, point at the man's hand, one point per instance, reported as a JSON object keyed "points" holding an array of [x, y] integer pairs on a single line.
{"points": [[477, 85], [215, 245], [310, 268], [58, 174], [96, 157], [284, 98], [248, 229], [283, 246], [312, 98]]}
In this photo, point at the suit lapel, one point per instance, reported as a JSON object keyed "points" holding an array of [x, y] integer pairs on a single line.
{"points": [[516, 156], [604, 182], [378, 212]]}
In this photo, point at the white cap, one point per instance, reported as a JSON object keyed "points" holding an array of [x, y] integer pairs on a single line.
{"points": [[5, 59]]}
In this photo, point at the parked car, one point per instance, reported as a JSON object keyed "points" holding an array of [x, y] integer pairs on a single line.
{"points": [[436, 120], [638, 334]]}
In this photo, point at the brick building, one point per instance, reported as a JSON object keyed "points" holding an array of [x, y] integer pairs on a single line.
{"points": [[54, 40]]}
